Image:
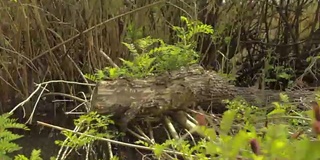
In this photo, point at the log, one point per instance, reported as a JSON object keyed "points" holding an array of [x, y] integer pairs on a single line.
{"points": [[178, 90]]}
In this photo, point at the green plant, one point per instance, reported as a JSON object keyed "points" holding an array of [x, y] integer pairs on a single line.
{"points": [[275, 73], [245, 140], [35, 155], [153, 56], [92, 124], [89, 124], [6, 136]]}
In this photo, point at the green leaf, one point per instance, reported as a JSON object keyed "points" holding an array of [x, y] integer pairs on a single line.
{"points": [[284, 75], [35, 155], [284, 97], [210, 132], [20, 157], [277, 111], [237, 144], [142, 142], [312, 150], [113, 72], [227, 120], [158, 149], [131, 48]]}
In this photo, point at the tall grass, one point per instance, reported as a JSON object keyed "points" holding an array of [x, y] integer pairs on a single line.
{"points": [[54, 39]]}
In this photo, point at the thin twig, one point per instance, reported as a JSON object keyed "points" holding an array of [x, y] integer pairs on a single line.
{"points": [[25, 101], [96, 26], [171, 128], [39, 86], [109, 59], [137, 135], [107, 140], [35, 105], [66, 95]]}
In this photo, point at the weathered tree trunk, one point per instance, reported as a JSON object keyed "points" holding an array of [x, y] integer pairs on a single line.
{"points": [[178, 90]]}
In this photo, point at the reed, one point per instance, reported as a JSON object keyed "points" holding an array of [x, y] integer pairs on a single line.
{"points": [[54, 39]]}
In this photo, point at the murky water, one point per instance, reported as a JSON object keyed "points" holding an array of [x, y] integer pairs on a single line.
{"points": [[44, 140]]}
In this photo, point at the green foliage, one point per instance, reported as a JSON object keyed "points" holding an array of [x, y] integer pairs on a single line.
{"points": [[6, 136], [274, 72], [89, 124], [133, 33], [35, 155], [115, 158], [193, 28], [240, 136], [153, 56]]}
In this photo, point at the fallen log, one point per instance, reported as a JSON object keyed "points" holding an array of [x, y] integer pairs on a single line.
{"points": [[167, 93]]}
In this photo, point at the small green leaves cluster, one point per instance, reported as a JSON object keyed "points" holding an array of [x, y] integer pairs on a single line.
{"points": [[89, 124], [6, 136], [240, 137], [35, 155], [153, 56], [275, 73], [7, 145]]}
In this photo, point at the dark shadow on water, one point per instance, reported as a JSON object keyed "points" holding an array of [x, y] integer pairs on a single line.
{"points": [[36, 139], [43, 138]]}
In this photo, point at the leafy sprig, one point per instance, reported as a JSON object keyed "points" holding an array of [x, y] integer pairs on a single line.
{"points": [[153, 56]]}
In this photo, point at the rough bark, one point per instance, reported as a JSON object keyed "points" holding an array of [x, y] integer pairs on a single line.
{"points": [[178, 90]]}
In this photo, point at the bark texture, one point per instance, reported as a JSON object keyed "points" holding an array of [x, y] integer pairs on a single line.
{"points": [[178, 90]]}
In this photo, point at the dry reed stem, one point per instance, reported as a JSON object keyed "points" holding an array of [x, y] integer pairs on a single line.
{"points": [[107, 140], [41, 38]]}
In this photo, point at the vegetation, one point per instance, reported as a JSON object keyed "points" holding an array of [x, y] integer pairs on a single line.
{"points": [[7, 137], [37, 40], [156, 58], [281, 139], [239, 136], [268, 43]]}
